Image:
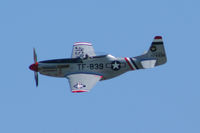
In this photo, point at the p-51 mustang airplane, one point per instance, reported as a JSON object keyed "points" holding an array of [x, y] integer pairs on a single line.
{"points": [[85, 69]]}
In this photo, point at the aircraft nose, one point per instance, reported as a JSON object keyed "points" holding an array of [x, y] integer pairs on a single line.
{"points": [[34, 67]]}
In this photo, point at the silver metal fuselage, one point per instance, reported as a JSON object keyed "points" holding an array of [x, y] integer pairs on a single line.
{"points": [[106, 66], [85, 69]]}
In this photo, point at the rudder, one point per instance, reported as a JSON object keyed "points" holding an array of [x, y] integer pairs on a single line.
{"points": [[155, 56], [157, 51]]}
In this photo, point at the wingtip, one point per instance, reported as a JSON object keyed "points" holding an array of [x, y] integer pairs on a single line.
{"points": [[78, 91]]}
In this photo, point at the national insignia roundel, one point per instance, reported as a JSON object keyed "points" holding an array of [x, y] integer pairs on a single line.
{"points": [[115, 65]]}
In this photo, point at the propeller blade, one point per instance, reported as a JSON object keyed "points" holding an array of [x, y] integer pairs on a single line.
{"points": [[34, 55], [36, 78]]}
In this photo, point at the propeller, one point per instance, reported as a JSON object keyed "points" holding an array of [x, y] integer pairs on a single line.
{"points": [[34, 55], [34, 67], [36, 78]]}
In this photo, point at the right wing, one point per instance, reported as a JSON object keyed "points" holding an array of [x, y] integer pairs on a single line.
{"points": [[82, 49], [82, 82]]}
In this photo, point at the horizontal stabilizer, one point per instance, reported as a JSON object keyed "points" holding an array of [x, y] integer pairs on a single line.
{"points": [[148, 63]]}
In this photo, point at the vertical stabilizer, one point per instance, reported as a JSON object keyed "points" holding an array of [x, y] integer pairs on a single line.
{"points": [[157, 51], [155, 56]]}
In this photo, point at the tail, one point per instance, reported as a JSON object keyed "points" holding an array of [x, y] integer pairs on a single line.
{"points": [[155, 56]]}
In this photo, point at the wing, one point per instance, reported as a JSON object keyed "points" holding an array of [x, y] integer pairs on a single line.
{"points": [[82, 49], [82, 82]]}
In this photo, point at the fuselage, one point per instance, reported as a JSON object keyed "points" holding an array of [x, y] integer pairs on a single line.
{"points": [[85, 69], [106, 66]]}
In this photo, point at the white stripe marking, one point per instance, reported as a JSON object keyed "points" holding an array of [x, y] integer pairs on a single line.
{"points": [[82, 43], [157, 40], [131, 63]]}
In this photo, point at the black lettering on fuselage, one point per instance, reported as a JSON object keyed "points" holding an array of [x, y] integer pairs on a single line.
{"points": [[95, 66]]}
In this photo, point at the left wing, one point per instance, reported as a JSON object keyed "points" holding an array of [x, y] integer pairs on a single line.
{"points": [[82, 82], [82, 50]]}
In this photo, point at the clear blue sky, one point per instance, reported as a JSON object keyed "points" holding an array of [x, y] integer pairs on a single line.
{"points": [[160, 100]]}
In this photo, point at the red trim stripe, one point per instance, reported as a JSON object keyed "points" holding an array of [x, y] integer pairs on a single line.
{"points": [[158, 37], [77, 91], [129, 63]]}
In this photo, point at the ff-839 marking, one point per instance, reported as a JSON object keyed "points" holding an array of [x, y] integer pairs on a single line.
{"points": [[84, 69]]}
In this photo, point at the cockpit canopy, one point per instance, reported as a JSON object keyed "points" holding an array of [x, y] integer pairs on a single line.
{"points": [[72, 60], [75, 60]]}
